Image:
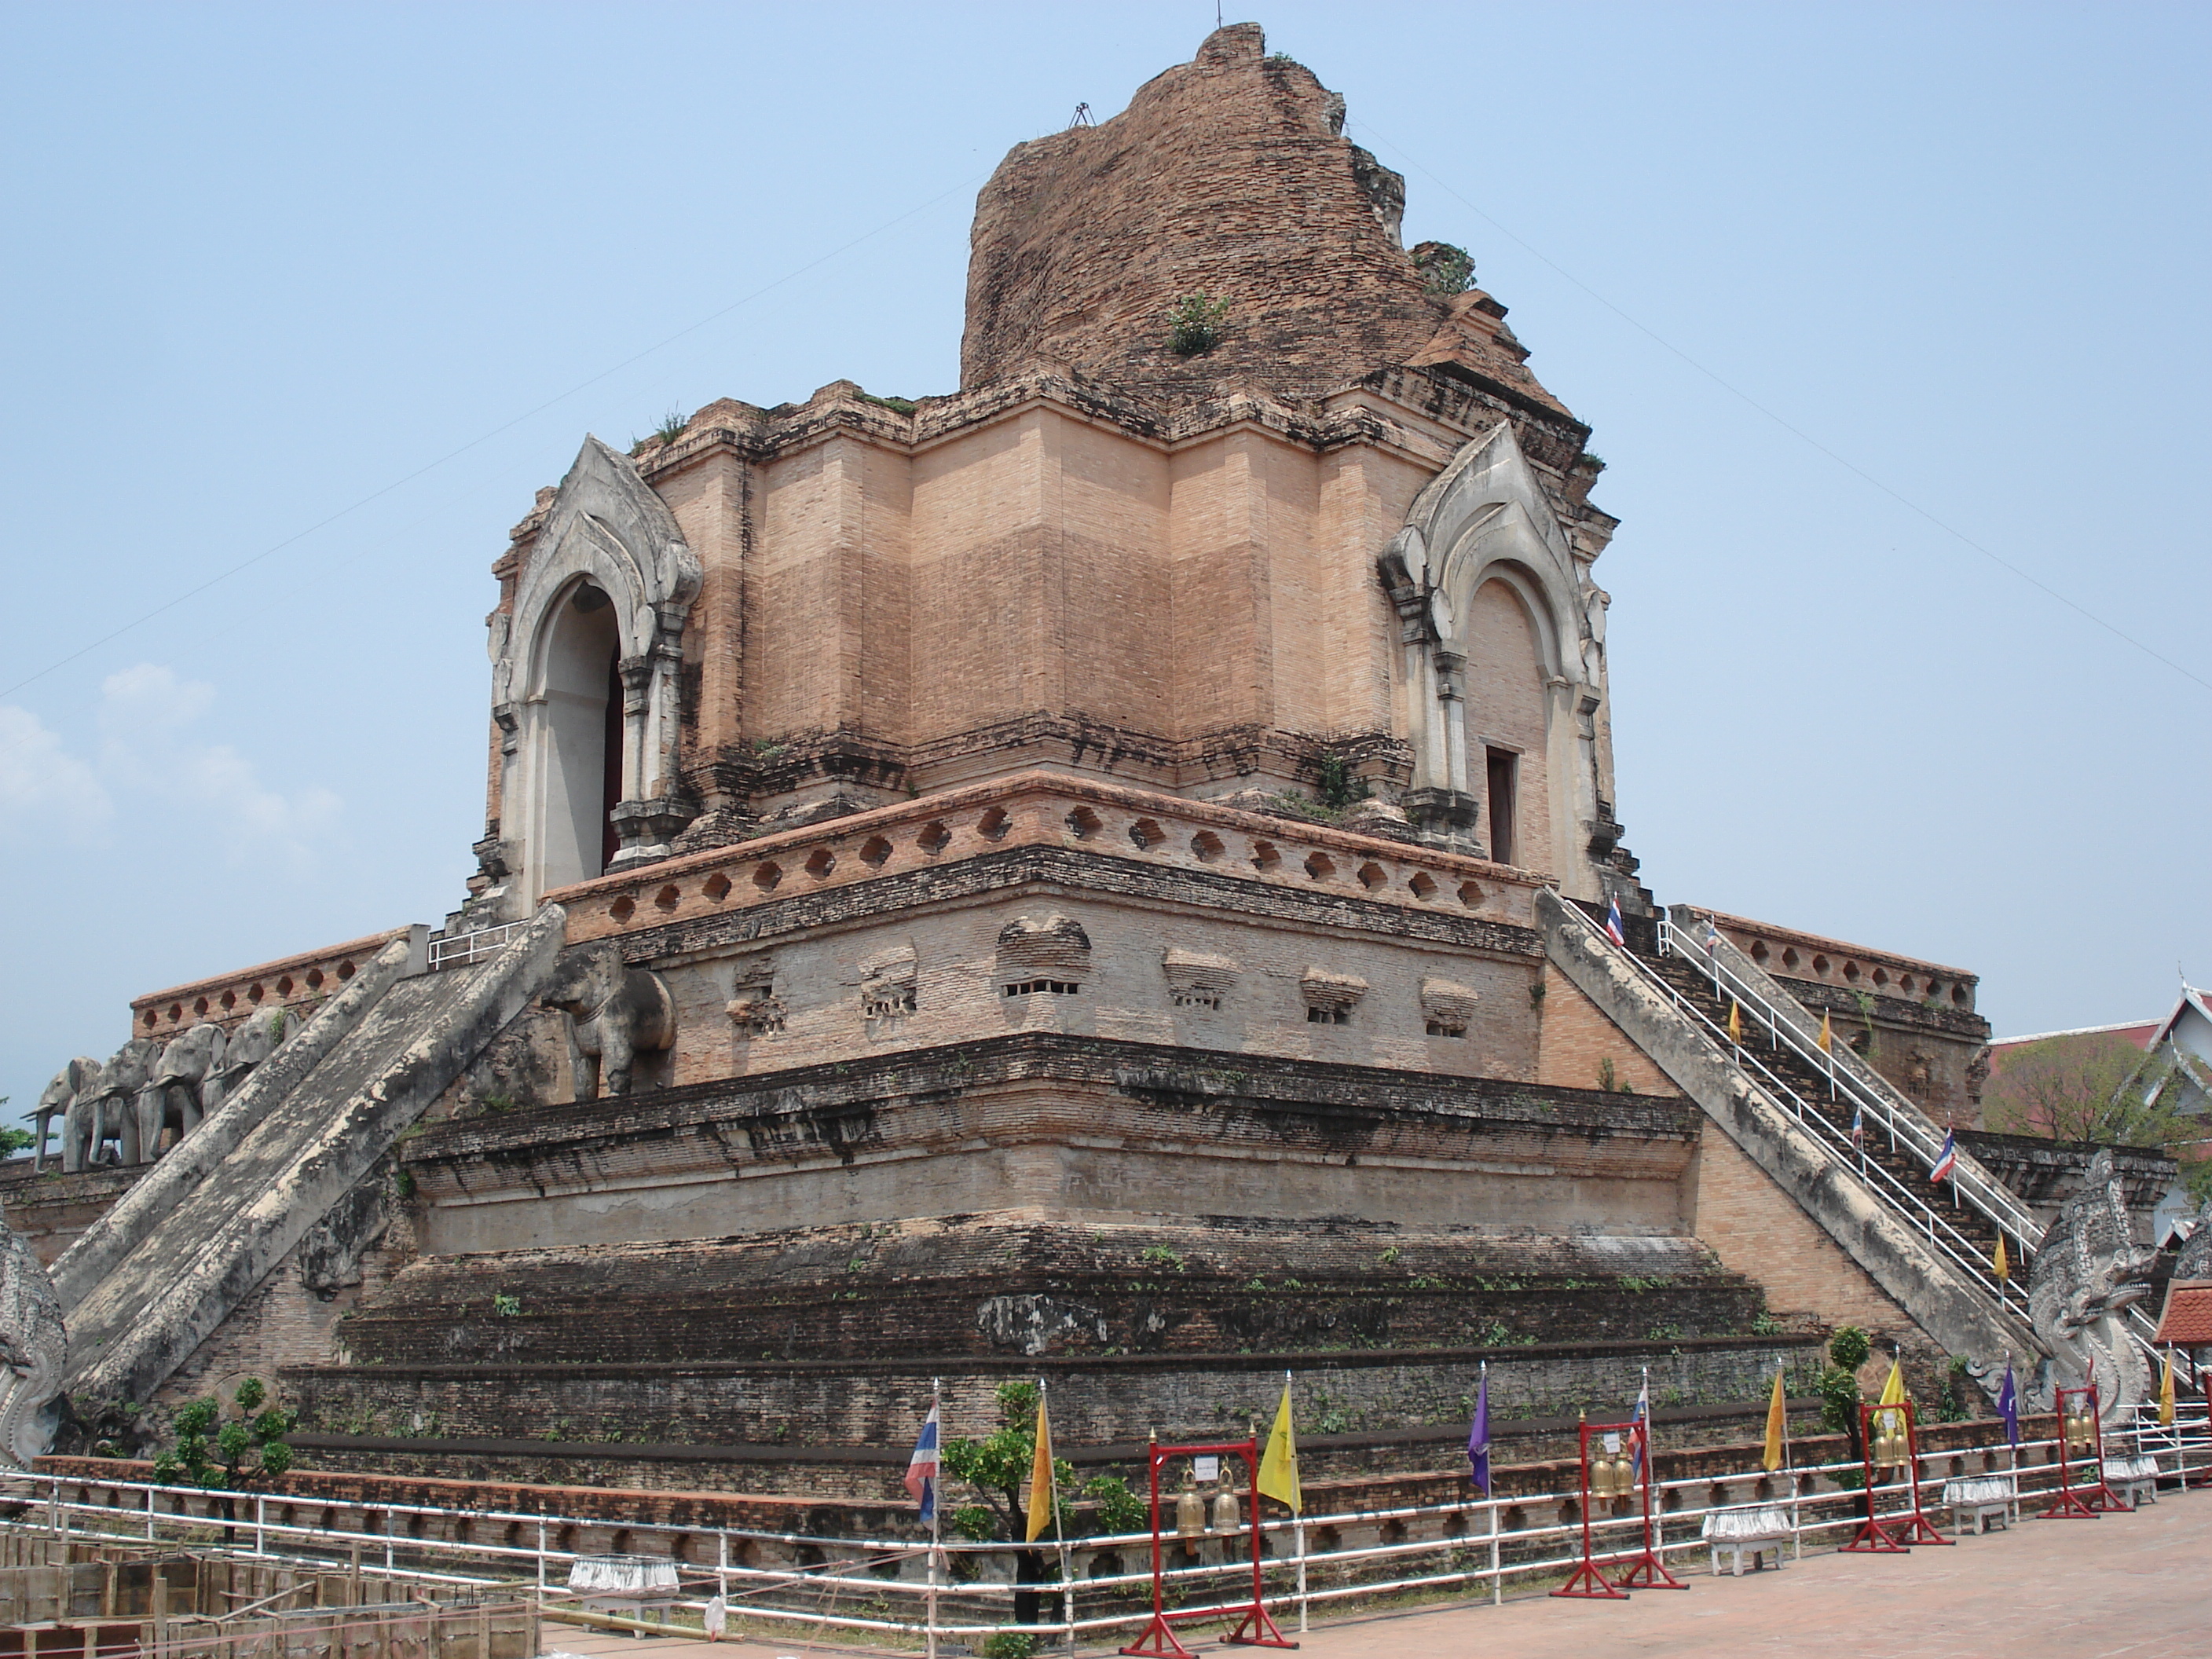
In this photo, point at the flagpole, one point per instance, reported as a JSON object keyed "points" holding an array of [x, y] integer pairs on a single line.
{"points": [[1790, 1469], [1297, 1520], [936, 1506], [1059, 1536]]}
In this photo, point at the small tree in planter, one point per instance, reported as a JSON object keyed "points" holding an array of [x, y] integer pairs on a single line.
{"points": [[216, 1452], [997, 1467]]}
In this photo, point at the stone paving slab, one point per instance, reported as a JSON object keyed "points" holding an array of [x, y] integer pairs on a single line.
{"points": [[2135, 1585]]}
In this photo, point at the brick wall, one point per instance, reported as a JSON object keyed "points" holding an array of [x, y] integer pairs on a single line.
{"points": [[1577, 1039]]}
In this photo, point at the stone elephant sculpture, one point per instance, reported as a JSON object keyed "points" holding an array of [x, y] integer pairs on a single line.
{"points": [[616, 1012], [171, 1094], [105, 1109], [246, 1048], [55, 1101]]}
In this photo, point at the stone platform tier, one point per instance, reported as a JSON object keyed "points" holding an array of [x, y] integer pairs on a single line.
{"points": [[1016, 1283], [793, 1426]]}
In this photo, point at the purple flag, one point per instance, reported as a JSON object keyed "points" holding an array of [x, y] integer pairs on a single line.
{"points": [[2008, 1407], [1478, 1437]]}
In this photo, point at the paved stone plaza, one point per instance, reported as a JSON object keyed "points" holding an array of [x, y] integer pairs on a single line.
{"points": [[2123, 1584]]}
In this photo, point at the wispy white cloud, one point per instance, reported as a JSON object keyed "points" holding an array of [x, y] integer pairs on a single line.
{"points": [[151, 752], [42, 785]]}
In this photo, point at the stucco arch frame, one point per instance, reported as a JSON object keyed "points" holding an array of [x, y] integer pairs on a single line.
{"points": [[1484, 517], [607, 527]]}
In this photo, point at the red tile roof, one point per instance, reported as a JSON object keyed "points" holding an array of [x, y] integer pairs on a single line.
{"points": [[2187, 1320]]}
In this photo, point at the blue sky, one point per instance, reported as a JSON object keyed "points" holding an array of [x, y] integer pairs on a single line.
{"points": [[334, 289]]}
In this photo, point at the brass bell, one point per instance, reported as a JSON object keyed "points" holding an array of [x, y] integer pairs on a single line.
{"points": [[1601, 1476], [1623, 1476], [1190, 1510], [1225, 1517]]}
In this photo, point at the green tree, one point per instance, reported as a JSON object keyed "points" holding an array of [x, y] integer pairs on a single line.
{"points": [[1838, 1387], [2102, 1089], [997, 1467], [214, 1451]]}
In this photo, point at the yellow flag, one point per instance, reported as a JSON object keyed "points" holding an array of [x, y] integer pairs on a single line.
{"points": [[1892, 1392], [2165, 1390], [1278, 1467], [1041, 1493], [1827, 1036], [1998, 1264], [1776, 1421], [1735, 1023]]}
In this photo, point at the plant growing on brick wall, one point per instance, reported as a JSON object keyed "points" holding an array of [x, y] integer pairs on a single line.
{"points": [[216, 1453], [1340, 787], [1194, 324], [997, 1467], [1445, 270]]}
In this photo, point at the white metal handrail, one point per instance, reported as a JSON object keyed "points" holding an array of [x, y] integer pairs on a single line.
{"points": [[464, 949], [1899, 1118], [1962, 1252], [1905, 1124]]}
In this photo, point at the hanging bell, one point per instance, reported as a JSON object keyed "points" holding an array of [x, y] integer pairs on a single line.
{"points": [[1225, 1517], [1190, 1512], [1623, 1476], [1601, 1476]]}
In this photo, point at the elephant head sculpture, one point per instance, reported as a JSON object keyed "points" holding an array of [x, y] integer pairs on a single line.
{"points": [[104, 1109], [616, 1012], [171, 1094], [246, 1047], [55, 1100]]}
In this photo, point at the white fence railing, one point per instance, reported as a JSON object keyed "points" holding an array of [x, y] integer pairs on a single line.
{"points": [[898, 1586], [465, 950]]}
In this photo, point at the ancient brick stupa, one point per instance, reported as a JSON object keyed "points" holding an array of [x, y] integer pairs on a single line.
{"points": [[1096, 873]]}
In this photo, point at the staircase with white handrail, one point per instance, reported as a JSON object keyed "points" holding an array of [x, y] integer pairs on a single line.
{"points": [[1934, 1261], [1781, 1032]]}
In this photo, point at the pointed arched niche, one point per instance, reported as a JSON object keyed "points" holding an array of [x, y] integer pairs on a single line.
{"points": [[585, 677], [1500, 681]]}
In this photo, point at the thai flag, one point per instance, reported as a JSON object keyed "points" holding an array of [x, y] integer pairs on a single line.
{"points": [[1858, 1126], [922, 1468], [1948, 1160], [1643, 1415], [1712, 937], [1613, 930]]}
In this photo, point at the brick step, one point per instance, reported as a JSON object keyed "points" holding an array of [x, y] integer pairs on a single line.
{"points": [[1908, 1170]]}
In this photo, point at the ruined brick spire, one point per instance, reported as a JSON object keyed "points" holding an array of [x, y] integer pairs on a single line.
{"points": [[1229, 176]]}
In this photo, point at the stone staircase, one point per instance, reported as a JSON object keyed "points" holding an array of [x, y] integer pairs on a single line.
{"points": [[1876, 1147], [1789, 1107], [152, 1278]]}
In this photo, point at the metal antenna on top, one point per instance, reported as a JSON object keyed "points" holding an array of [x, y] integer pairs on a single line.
{"points": [[1082, 116]]}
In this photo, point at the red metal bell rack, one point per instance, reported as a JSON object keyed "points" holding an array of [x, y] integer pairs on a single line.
{"points": [[1645, 1570], [1897, 1534], [2091, 1501], [1256, 1629]]}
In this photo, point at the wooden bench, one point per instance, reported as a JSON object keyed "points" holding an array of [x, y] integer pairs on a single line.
{"points": [[1981, 1499], [1756, 1529]]}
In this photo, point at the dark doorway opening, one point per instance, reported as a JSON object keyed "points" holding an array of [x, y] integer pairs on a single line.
{"points": [[1504, 815]]}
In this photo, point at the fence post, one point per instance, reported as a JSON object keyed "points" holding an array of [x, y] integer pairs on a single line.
{"points": [[149, 1515], [1299, 1532], [1496, 1562], [389, 1520], [261, 1526], [54, 1510], [541, 1560]]}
